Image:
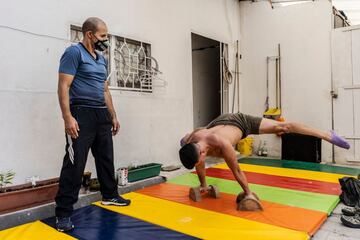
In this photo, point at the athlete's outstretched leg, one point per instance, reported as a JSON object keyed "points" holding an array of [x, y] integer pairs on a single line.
{"points": [[268, 126]]}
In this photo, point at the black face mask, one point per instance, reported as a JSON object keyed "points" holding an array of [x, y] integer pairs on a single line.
{"points": [[101, 45]]}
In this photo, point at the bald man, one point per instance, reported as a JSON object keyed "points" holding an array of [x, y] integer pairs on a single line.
{"points": [[219, 136], [90, 121]]}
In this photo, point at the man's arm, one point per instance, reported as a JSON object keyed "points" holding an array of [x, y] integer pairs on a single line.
{"points": [[200, 170], [108, 101], [71, 125], [230, 158]]}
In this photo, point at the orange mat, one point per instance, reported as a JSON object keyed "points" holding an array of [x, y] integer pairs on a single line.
{"points": [[274, 214]]}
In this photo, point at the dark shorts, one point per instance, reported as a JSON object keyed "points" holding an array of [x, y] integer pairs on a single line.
{"points": [[246, 123]]}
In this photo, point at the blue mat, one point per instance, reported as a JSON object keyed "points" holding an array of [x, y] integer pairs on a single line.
{"points": [[95, 223]]}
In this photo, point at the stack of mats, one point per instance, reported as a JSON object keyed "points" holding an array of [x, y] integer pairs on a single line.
{"points": [[297, 198]]}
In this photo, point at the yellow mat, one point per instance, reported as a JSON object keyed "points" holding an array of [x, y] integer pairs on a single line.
{"points": [[287, 172], [200, 223], [33, 231]]}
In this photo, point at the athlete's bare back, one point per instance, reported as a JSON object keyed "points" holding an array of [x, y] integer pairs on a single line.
{"points": [[216, 135]]}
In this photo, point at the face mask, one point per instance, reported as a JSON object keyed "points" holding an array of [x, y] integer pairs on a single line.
{"points": [[101, 45]]}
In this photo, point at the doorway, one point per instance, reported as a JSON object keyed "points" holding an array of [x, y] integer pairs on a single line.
{"points": [[206, 75]]}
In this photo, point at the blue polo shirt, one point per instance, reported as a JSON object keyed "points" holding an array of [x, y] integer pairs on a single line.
{"points": [[87, 88]]}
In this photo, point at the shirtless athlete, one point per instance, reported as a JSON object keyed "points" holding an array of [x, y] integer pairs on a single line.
{"points": [[219, 137]]}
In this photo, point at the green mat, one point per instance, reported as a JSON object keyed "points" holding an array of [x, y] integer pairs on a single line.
{"points": [[300, 165], [308, 200]]}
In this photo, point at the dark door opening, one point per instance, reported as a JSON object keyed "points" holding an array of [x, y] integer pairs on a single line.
{"points": [[206, 79]]}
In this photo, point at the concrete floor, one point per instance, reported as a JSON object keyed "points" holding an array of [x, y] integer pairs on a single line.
{"points": [[333, 229]]}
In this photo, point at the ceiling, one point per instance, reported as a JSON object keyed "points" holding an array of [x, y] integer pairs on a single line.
{"points": [[351, 9]]}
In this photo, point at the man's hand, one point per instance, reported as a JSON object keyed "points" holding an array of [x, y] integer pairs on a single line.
{"points": [[115, 126], [204, 189], [71, 127]]}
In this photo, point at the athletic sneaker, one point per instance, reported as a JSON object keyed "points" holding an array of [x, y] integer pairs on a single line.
{"points": [[118, 201], [64, 224], [350, 211], [351, 221]]}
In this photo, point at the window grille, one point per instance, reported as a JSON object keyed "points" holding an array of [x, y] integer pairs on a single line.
{"points": [[130, 64]]}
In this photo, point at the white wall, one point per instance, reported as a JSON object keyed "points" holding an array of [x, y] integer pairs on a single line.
{"points": [[32, 138], [346, 79], [303, 30]]}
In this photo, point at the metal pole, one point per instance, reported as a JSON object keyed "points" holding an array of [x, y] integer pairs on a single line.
{"points": [[267, 83], [237, 75], [221, 78], [279, 76], [332, 102], [277, 82]]}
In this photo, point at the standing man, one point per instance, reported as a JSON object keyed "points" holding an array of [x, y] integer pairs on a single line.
{"points": [[90, 121]]}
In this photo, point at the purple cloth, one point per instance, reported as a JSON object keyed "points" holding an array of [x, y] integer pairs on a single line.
{"points": [[339, 141]]}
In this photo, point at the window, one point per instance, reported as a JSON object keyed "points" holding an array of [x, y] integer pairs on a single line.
{"points": [[130, 65], [76, 36]]}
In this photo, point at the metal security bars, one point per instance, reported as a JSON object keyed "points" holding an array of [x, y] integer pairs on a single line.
{"points": [[76, 36], [130, 64]]}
